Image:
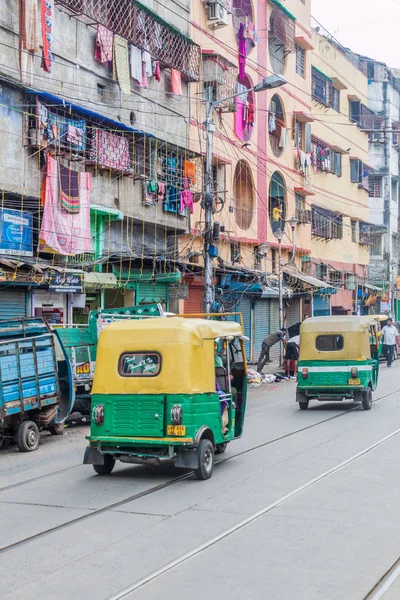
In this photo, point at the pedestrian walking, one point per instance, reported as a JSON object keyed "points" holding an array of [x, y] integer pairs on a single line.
{"points": [[270, 340], [389, 333]]}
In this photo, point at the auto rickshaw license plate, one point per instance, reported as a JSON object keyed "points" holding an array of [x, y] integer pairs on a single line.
{"points": [[176, 430], [354, 382]]}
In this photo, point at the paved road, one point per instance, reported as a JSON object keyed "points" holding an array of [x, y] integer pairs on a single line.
{"points": [[304, 506]]}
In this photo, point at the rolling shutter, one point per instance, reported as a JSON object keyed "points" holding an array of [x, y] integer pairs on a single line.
{"points": [[261, 325], [244, 307], [12, 304], [293, 312], [152, 293], [195, 301]]}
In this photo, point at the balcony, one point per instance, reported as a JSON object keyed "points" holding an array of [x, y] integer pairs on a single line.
{"points": [[142, 28], [221, 75]]}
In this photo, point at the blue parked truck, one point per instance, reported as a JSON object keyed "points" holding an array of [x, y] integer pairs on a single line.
{"points": [[36, 386]]}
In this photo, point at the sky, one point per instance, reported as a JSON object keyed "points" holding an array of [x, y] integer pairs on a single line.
{"points": [[368, 27]]}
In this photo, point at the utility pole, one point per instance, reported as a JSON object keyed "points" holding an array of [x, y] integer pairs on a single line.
{"points": [[208, 207]]}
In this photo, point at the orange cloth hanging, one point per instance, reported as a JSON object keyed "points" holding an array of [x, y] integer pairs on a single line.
{"points": [[189, 170], [176, 82]]}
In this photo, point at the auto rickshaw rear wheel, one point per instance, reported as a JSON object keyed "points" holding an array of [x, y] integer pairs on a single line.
{"points": [[220, 448], [301, 398], [28, 436], [367, 399], [107, 467], [205, 460]]}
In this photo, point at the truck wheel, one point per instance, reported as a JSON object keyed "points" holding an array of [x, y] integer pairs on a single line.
{"points": [[109, 464], [28, 436], [205, 460], [220, 448], [57, 429], [301, 398], [367, 399]]}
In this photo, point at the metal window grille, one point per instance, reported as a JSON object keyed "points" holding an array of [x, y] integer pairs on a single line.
{"points": [[375, 244], [364, 234], [300, 61], [335, 98], [222, 76], [323, 156], [144, 29], [375, 186], [299, 135], [235, 252], [326, 224], [320, 87]]}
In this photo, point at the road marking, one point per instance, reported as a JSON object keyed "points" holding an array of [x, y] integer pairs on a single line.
{"points": [[385, 583], [185, 557]]}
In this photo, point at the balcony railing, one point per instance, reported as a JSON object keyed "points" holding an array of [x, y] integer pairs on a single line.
{"points": [[142, 28]]}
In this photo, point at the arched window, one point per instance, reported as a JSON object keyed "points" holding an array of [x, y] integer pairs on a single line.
{"points": [[244, 195], [277, 202], [277, 126], [245, 110]]}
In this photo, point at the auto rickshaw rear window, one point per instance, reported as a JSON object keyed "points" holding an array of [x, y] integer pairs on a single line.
{"points": [[139, 364], [329, 343]]}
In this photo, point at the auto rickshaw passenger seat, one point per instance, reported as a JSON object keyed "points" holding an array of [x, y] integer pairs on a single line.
{"points": [[222, 378]]}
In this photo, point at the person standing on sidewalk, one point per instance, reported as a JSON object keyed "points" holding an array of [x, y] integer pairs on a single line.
{"points": [[270, 340], [389, 333], [292, 355]]}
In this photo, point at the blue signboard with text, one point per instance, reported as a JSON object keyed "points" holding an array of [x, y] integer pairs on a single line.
{"points": [[16, 232]]}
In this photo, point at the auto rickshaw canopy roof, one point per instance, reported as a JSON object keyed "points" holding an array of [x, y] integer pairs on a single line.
{"points": [[186, 348], [354, 330]]}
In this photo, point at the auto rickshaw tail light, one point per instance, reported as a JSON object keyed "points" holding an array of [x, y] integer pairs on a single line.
{"points": [[304, 373], [98, 414], [176, 414], [354, 372]]}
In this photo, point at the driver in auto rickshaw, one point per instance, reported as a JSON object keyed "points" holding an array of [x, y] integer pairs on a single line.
{"points": [[219, 370]]}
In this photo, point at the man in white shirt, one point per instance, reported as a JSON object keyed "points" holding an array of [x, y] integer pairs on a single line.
{"points": [[389, 333]]}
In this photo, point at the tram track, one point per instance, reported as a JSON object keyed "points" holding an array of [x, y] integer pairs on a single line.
{"points": [[274, 440], [388, 578], [114, 505], [385, 582]]}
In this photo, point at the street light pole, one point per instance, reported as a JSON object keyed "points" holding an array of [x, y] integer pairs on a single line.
{"points": [[268, 83], [279, 236]]}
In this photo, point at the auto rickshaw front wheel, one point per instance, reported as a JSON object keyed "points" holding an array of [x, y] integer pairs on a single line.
{"points": [[107, 467], [205, 460]]}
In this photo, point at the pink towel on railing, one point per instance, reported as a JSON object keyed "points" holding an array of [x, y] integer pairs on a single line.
{"points": [[63, 232], [103, 51]]}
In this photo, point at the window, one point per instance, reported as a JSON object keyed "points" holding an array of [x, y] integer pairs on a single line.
{"points": [[329, 343], [326, 160], [243, 194], [335, 277], [359, 174], [100, 92], [335, 99], [300, 202], [364, 233], [139, 364], [299, 135], [326, 224], [354, 111], [337, 163], [375, 186], [321, 271], [320, 86], [276, 125], [394, 190], [277, 202], [375, 248], [235, 252], [300, 61]]}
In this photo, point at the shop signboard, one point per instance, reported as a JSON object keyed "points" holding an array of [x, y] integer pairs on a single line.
{"points": [[67, 282], [16, 232]]}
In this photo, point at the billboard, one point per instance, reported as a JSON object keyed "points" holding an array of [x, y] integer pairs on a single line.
{"points": [[16, 232]]}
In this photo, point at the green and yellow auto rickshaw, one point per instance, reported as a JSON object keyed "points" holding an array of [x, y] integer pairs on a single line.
{"points": [[339, 360], [161, 396]]}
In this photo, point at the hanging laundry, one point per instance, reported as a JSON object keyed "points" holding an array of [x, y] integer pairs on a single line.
{"points": [[283, 138], [161, 191], [172, 202], [110, 150], [249, 32], [62, 232], [186, 201], [74, 135], [147, 61], [28, 38], [47, 13], [169, 169], [157, 71], [176, 82], [239, 122], [250, 115], [242, 52], [136, 64], [151, 193], [68, 181], [272, 122], [189, 170], [121, 64], [103, 50]]}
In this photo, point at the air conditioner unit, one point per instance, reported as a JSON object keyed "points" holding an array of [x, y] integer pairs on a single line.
{"points": [[217, 15]]}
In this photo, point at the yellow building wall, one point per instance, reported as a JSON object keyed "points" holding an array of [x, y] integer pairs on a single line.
{"points": [[332, 192]]}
